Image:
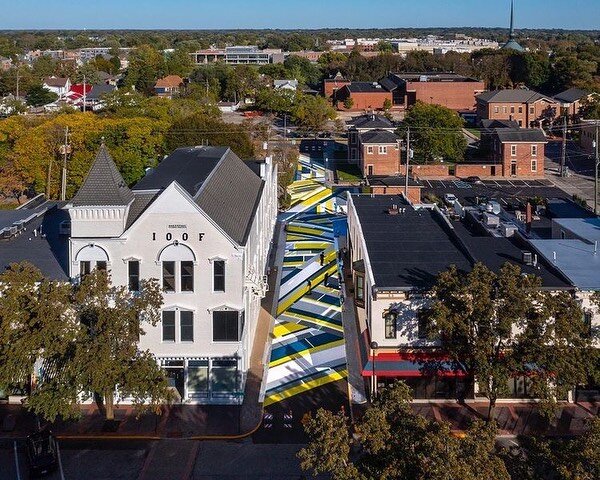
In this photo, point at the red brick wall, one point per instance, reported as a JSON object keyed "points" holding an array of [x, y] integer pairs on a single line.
{"points": [[364, 101], [330, 86], [453, 95], [383, 163], [469, 170], [414, 193], [522, 159], [421, 171]]}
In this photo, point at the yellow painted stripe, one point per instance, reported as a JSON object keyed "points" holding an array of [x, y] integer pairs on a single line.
{"points": [[283, 329], [305, 353], [302, 290], [305, 386], [315, 321]]}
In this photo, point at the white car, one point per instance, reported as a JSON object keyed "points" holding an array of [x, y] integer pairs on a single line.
{"points": [[449, 199]]}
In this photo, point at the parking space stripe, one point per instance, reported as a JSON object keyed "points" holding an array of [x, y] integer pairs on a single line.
{"points": [[17, 460]]}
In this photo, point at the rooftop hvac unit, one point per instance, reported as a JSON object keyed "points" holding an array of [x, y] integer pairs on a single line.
{"points": [[5, 233], [527, 258]]}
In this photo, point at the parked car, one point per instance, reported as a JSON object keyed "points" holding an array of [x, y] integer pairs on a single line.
{"points": [[42, 453], [449, 199], [473, 179]]}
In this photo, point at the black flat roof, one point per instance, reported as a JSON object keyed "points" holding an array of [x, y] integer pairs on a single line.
{"points": [[47, 251], [407, 250], [494, 252]]}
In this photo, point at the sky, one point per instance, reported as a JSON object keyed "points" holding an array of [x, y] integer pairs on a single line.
{"points": [[294, 14]]}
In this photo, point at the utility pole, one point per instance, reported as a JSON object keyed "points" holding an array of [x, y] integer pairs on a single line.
{"points": [[66, 149], [563, 156], [84, 94], [596, 161], [407, 163]]}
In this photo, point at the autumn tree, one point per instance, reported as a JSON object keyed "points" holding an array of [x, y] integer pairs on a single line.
{"points": [[436, 131], [394, 442], [311, 113]]}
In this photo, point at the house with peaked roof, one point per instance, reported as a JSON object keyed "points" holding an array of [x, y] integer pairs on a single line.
{"points": [[58, 85], [168, 86], [571, 101], [201, 223], [526, 107]]}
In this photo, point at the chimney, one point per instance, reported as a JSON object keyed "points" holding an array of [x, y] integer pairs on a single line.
{"points": [[393, 210]]}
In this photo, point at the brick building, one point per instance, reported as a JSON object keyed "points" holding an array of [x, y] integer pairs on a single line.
{"points": [[526, 107], [570, 101], [448, 89], [588, 136], [519, 152], [332, 85], [379, 153], [395, 185], [360, 126], [364, 96]]}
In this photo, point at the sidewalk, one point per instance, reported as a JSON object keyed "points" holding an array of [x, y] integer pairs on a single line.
{"points": [[176, 421]]}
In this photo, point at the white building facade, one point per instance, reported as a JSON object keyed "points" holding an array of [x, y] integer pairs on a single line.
{"points": [[201, 224]]}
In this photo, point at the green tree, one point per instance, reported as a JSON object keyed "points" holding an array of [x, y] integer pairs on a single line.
{"points": [[384, 46], [348, 103], [38, 96], [35, 327], [107, 357], [436, 131], [311, 113], [397, 443], [146, 65], [590, 108], [499, 325], [387, 104], [199, 129]]}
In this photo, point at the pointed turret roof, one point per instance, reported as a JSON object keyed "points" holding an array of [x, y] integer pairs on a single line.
{"points": [[104, 185], [512, 44]]}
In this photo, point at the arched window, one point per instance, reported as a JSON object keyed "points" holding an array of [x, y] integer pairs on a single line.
{"points": [[177, 262], [91, 256]]}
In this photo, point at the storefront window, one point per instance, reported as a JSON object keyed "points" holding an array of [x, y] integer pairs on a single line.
{"points": [[224, 376], [197, 380]]}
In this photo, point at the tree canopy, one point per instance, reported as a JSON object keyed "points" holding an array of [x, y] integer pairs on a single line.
{"points": [[394, 442], [435, 132]]}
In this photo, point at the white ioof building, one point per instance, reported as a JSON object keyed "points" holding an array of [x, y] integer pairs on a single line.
{"points": [[202, 224]]}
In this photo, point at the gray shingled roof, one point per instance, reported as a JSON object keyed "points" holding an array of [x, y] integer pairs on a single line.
{"points": [[491, 124], [509, 96], [571, 95], [140, 203], [371, 121], [520, 135], [379, 136], [230, 196], [104, 185]]}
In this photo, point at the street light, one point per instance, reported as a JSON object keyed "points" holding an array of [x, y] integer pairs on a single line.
{"points": [[374, 346]]}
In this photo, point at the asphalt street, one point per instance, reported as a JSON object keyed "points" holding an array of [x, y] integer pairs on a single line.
{"points": [[131, 460]]}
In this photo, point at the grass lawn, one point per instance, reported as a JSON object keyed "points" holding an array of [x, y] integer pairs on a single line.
{"points": [[347, 172], [474, 131]]}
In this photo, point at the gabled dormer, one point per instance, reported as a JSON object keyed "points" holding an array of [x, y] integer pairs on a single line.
{"points": [[101, 206]]}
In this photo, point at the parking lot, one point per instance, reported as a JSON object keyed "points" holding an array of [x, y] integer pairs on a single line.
{"points": [[472, 193]]}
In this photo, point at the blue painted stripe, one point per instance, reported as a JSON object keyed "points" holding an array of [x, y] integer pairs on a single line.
{"points": [[302, 345]]}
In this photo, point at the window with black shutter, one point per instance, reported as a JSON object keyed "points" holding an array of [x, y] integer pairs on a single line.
{"points": [[168, 272], [186, 324], [226, 326], [187, 276], [219, 276], [133, 273], [168, 326]]}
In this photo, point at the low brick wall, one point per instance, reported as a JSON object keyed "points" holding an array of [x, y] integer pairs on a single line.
{"points": [[431, 170], [477, 170]]}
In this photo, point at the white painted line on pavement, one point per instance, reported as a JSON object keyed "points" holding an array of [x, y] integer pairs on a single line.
{"points": [[17, 460], [60, 467]]}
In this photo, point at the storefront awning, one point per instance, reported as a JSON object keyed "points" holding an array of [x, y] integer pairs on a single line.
{"points": [[412, 365]]}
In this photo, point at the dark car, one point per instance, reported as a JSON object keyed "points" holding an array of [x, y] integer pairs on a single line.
{"points": [[42, 453], [473, 179]]}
